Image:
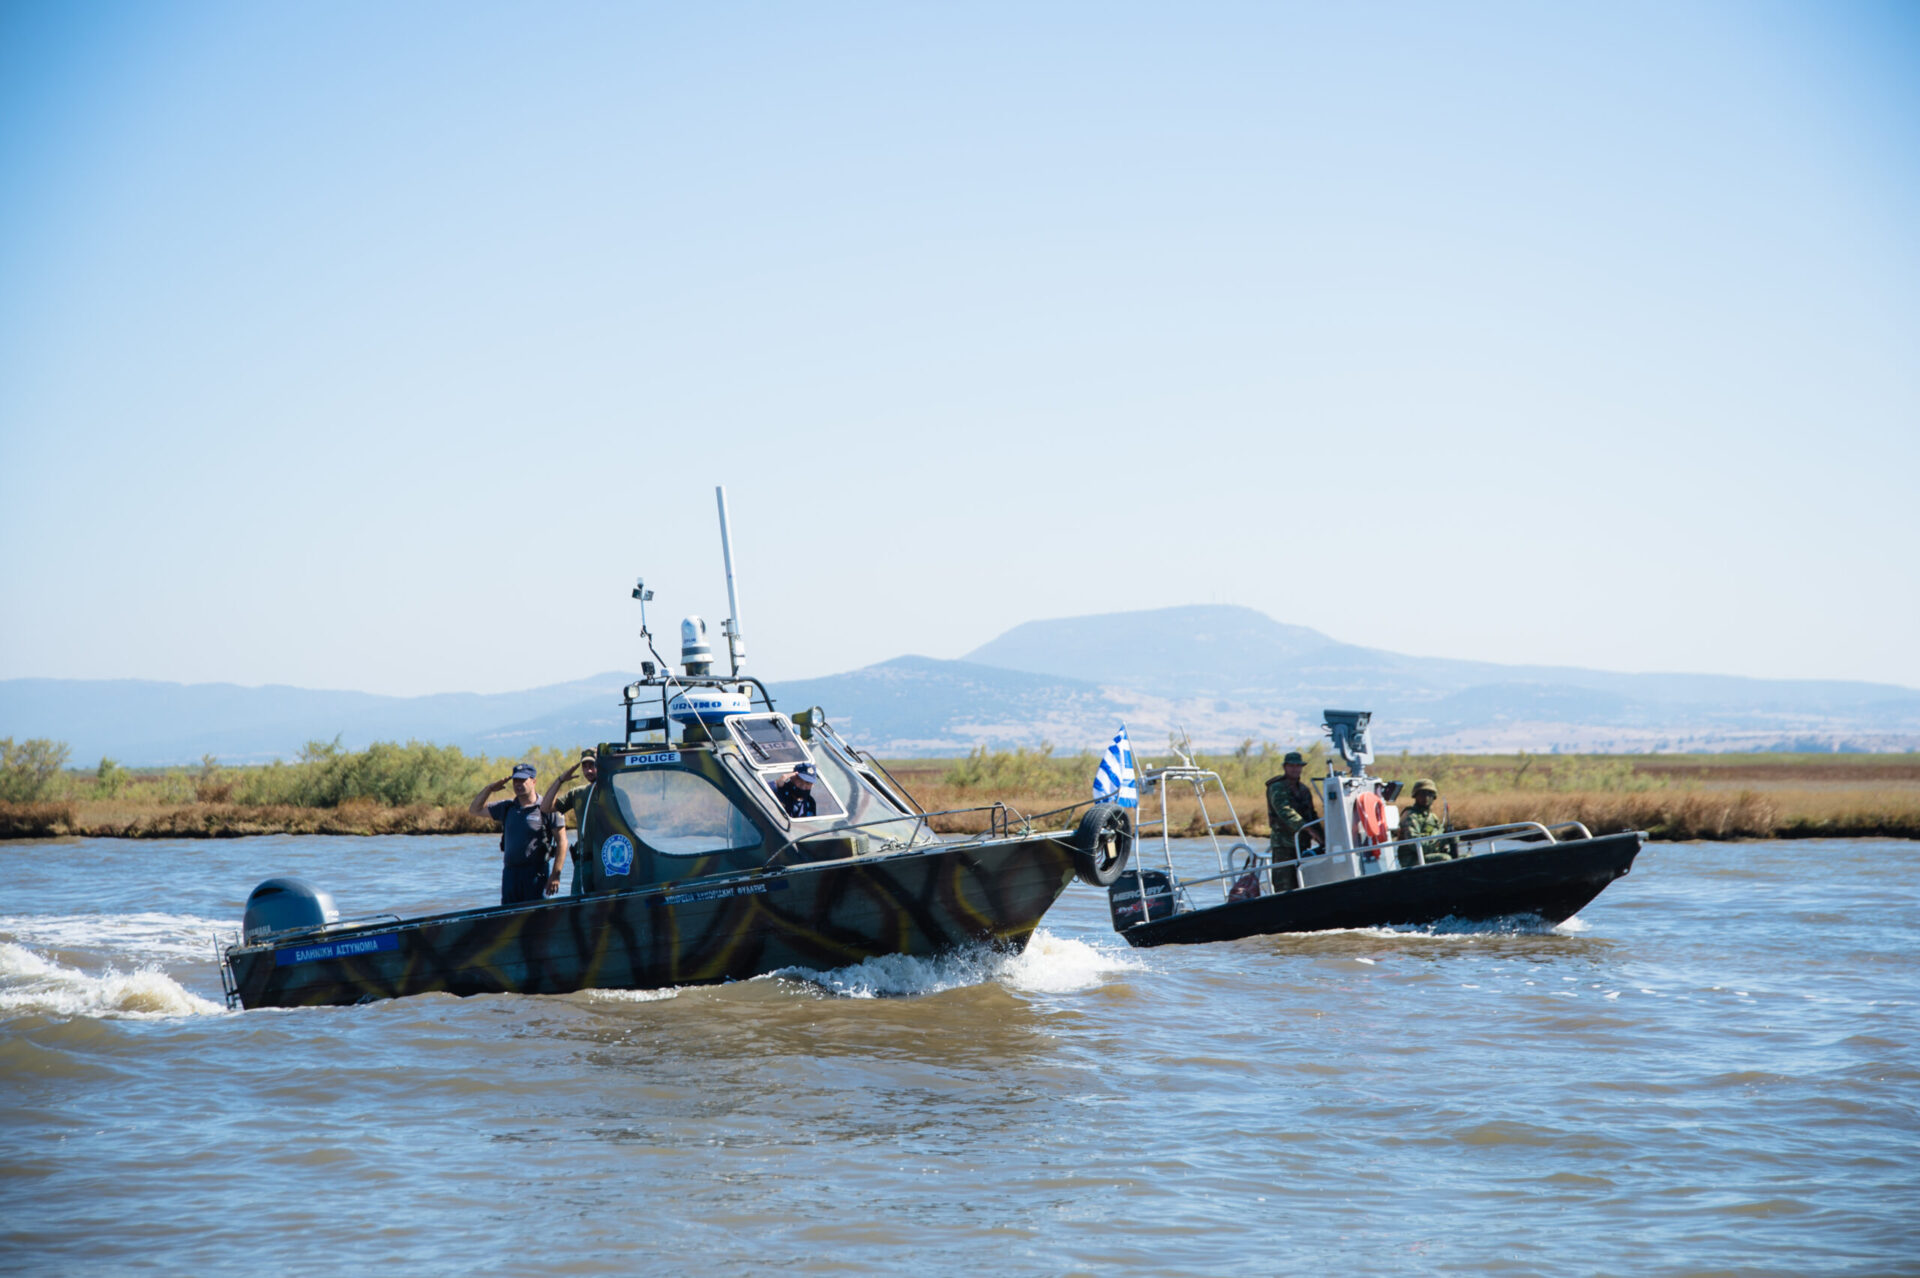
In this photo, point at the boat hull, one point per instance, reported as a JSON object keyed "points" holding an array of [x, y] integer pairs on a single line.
{"points": [[731, 927], [1552, 881]]}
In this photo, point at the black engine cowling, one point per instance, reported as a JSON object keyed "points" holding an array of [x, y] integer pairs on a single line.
{"points": [[283, 904]]}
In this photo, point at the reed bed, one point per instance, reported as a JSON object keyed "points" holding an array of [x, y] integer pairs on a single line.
{"points": [[196, 820], [423, 789], [1712, 797]]}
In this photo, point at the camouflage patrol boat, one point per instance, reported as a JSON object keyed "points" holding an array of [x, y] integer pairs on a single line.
{"points": [[689, 870], [1361, 874]]}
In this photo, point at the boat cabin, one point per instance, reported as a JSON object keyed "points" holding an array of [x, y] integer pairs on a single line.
{"points": [[698, 798]]}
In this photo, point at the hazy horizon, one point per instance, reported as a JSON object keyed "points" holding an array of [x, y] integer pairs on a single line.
{"points": [[671, 651]]}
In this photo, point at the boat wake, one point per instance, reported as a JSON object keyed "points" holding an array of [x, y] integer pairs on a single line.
{"points": [[33, 985], [1049, 965], [1506, 925], [145, 938], [631, 996]]}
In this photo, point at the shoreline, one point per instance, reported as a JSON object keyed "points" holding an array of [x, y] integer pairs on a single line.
{"points": [[418, 788], [1678, 816]]}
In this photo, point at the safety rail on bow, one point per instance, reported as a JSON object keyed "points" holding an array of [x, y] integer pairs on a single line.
{"points": [[1252, 876]]}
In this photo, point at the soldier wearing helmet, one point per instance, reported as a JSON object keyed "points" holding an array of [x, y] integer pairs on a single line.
{"points": [[1421, 822], [1290, 809]]}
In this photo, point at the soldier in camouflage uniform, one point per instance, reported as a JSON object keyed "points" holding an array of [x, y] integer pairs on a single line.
{"points": [[1290, 808], [574, 801], [1421, 822]]}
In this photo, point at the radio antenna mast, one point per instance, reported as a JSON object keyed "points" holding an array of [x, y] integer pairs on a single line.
{"points": [[736, 646]]}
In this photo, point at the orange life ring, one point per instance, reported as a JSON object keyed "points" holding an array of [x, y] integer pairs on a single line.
{"points": [[1369, 818]]}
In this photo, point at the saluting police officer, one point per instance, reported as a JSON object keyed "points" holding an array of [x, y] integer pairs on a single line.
{"points": [[795, 792], [533, 841]]}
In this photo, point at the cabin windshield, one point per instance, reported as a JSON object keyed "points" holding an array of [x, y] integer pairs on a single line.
{"points": [[681, 813], [864, 803]]}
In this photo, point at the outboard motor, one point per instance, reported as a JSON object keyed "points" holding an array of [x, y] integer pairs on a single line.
{"points": [[280, 905], [1140, 896]]}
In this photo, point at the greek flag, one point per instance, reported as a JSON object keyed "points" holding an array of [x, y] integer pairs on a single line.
{"points": [[1114, 780]]}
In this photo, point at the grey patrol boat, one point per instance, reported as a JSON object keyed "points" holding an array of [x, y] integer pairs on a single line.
{"points": [[689, 870], [1359, 872]]}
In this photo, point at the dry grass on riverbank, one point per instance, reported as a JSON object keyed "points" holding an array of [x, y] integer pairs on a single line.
{"points": [[1669, 796], [107, 819]]}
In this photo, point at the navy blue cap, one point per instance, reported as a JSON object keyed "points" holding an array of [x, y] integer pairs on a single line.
{"points": [[807, 772], [523, 772]]}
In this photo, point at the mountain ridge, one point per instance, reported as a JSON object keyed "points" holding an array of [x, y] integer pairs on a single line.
{"points": [[1219, 672]]}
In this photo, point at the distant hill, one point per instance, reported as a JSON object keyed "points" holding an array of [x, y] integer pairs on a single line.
{"points": [[1223, 674], [1171, 652], [1257, 670], [919, 705]]}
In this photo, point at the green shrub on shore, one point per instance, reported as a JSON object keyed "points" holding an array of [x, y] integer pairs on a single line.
{"points": [[29, 771], [327, 775], [418, 787], [108, 778], [1019, 769]]}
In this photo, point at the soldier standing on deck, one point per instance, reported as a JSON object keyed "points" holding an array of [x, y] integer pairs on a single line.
{"points": [[1421, 822], [574, 801], [1290, 809]]}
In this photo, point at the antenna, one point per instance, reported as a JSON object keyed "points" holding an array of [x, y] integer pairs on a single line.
{"points": [[641, 593], [736, 646]]}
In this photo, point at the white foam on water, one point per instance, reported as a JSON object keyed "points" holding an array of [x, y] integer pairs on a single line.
{"points": [[1048, 965], [32, 984], [144, 937], [1508, 925], [1059, 965], [1449, 929], [631, 996]]}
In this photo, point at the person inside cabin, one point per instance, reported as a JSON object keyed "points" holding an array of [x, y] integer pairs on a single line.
{"points": [[1421, 822], [1290, 809], [574, 801], [533, 840], [795, 790]]}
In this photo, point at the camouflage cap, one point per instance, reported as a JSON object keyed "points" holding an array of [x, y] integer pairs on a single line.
{"points": [[1294, 756], [1425, 785]]}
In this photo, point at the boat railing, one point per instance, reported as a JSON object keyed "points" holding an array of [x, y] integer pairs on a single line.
{"points": [[318, 929], [1198, 778], [1253, 877], [1515, 831], [667, 681], [816, 721], [229, 984], [1003, 822]]}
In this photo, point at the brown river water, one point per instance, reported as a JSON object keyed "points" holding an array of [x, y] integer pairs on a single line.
{"points": [[1715, 1069]]}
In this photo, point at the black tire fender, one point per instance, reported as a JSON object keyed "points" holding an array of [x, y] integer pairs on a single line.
{"points": [[1102, 844]]}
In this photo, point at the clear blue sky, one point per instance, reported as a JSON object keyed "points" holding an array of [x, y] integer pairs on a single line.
{"points": [[380, 346]]}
